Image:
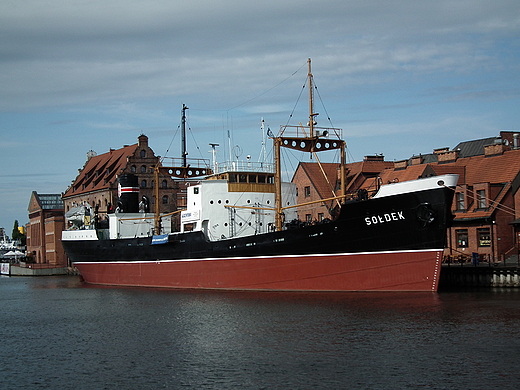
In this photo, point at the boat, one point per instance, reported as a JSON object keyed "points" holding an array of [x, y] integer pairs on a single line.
{"points": [[240, 231]]}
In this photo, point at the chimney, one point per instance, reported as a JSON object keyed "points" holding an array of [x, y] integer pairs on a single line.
{"points": [[448, 156], [440, 150], [515, 140], [417, 160], [495, 149], [400, 164], [377, 157]]}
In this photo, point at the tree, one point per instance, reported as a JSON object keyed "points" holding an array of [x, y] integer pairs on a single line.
{"points": [[17, 234]]}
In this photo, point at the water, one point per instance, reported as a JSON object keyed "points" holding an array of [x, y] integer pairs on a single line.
{"points": [[58, 333]]}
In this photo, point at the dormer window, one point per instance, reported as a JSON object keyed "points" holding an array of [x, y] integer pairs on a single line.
{"points": [[459, 198], [481, 199]]}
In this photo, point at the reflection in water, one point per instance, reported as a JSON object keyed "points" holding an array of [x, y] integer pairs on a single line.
{"points": [[67, 334]]}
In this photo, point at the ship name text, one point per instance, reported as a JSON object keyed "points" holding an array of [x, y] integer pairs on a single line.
{"points": [[383, 218]]}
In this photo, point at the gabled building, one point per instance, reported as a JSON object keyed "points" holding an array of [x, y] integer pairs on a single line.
{"points": [[97, 182], [321, 181], [46, 222]]}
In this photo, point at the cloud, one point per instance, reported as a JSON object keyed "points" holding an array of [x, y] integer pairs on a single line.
{"points": [[63, 53], [79, 75]]}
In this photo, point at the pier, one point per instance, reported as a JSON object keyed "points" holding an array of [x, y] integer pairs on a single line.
{"points": [[480, 275]]}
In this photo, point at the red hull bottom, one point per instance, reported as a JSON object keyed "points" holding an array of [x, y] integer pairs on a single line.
{"points": [[382, 271]]}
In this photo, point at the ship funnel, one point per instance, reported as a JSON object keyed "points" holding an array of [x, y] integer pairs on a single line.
{"points": [[128, 192]]}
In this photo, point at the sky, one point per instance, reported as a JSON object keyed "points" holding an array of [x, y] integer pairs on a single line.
{"points": [[400, 77]]}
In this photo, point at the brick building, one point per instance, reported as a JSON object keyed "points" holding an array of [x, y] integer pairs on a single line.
{"points": [[97, 185], [314, 182], [46, 222], [486, 205]]}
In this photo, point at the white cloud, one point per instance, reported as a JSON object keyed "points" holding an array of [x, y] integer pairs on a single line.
{"points": [[100, 71]]}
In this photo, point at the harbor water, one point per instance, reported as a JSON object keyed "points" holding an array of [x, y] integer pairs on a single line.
{"points": [[58, 333]]}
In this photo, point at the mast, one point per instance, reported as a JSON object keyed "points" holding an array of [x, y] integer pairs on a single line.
{"points": [[184, 152], [184, 172], [311, 100], [277, 185], [263, 153], [313, 142]]}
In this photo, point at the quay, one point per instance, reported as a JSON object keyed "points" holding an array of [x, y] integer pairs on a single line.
{"points": [[24, 269], [466, 275]]}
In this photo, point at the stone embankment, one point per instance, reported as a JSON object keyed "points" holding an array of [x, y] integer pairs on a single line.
{"points": [[482, 275]]}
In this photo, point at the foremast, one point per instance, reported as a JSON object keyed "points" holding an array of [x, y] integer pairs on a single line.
{"points": [[310, 139], [196, 168]]}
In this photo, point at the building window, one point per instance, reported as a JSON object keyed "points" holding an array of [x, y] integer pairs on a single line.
{"points": [[143, 153], [308, 218], [133, 169], [165, 199], [460, 201], [143, 168], [484, 237], [164, 184], [143, 183], [307, 191], [481, 199], [320, 217], [462, 238]]}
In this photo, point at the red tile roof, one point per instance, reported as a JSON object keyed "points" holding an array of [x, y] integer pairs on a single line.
{"points": [[324, 185], [100, 171], [490, 169]]}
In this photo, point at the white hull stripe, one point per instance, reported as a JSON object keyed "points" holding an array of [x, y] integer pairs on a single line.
{"points": [[258, 257]]}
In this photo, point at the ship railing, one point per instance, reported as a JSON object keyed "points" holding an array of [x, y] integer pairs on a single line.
{"points": [[291, 131], [244, 166], [191, 162]]}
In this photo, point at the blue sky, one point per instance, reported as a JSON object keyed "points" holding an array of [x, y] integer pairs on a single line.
{"points": [[399, 77]]}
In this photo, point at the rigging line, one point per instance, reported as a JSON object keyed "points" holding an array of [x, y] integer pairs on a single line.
{"points": [[351, 158], [195, 141], [295, 105], [171, 142], [493, 202], [323, 104], [270, 89], [325, 177]]}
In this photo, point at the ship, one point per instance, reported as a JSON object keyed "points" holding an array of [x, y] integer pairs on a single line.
{"points": [[240, 230]]}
